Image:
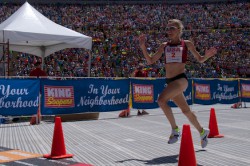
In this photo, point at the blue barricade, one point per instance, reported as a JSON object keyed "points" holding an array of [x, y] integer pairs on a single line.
{"points": [[21, 96]]}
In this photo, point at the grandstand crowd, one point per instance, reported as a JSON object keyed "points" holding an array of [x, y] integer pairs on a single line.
{"points": [[116, 51]]}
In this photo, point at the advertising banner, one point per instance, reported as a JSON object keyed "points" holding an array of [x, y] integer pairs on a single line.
{"points": [[19, 96], [85, 95], [245, 90], [208, 92]]}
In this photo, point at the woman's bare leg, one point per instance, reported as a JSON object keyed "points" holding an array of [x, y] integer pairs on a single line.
{"points": [[181, 102], [173, 89]]}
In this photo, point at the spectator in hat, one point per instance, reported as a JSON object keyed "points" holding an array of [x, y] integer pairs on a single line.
{"points": [[139, 72], [38, 72]]}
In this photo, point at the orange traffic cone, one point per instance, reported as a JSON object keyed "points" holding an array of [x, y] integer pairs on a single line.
{"points": [[125, 113], [58, 150], [187, 154], [36, 119], [213, 127], [81, 164], [233, 106]]}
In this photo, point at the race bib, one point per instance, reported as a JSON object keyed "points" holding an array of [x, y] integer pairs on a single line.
{"points": [[173, 54]]}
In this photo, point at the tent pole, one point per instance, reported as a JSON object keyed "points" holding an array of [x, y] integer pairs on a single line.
{"points": [[4, 57], [8, 56], [89, 65], [43, 55]]}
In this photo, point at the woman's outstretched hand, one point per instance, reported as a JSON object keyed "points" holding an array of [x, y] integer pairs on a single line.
{"points": [[142, 40], [210, 52]]}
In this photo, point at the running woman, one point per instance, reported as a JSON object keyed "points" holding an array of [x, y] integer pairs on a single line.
{"points": [[175, 54]]}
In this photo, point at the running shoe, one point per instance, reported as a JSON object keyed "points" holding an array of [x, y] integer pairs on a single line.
{"points": [[204, 135], [175, 136]]}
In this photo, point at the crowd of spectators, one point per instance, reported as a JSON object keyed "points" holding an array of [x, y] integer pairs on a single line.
{"points": [[115, 28]]}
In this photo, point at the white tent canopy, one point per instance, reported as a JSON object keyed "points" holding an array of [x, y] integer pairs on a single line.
{"points": [[29, 31]]}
